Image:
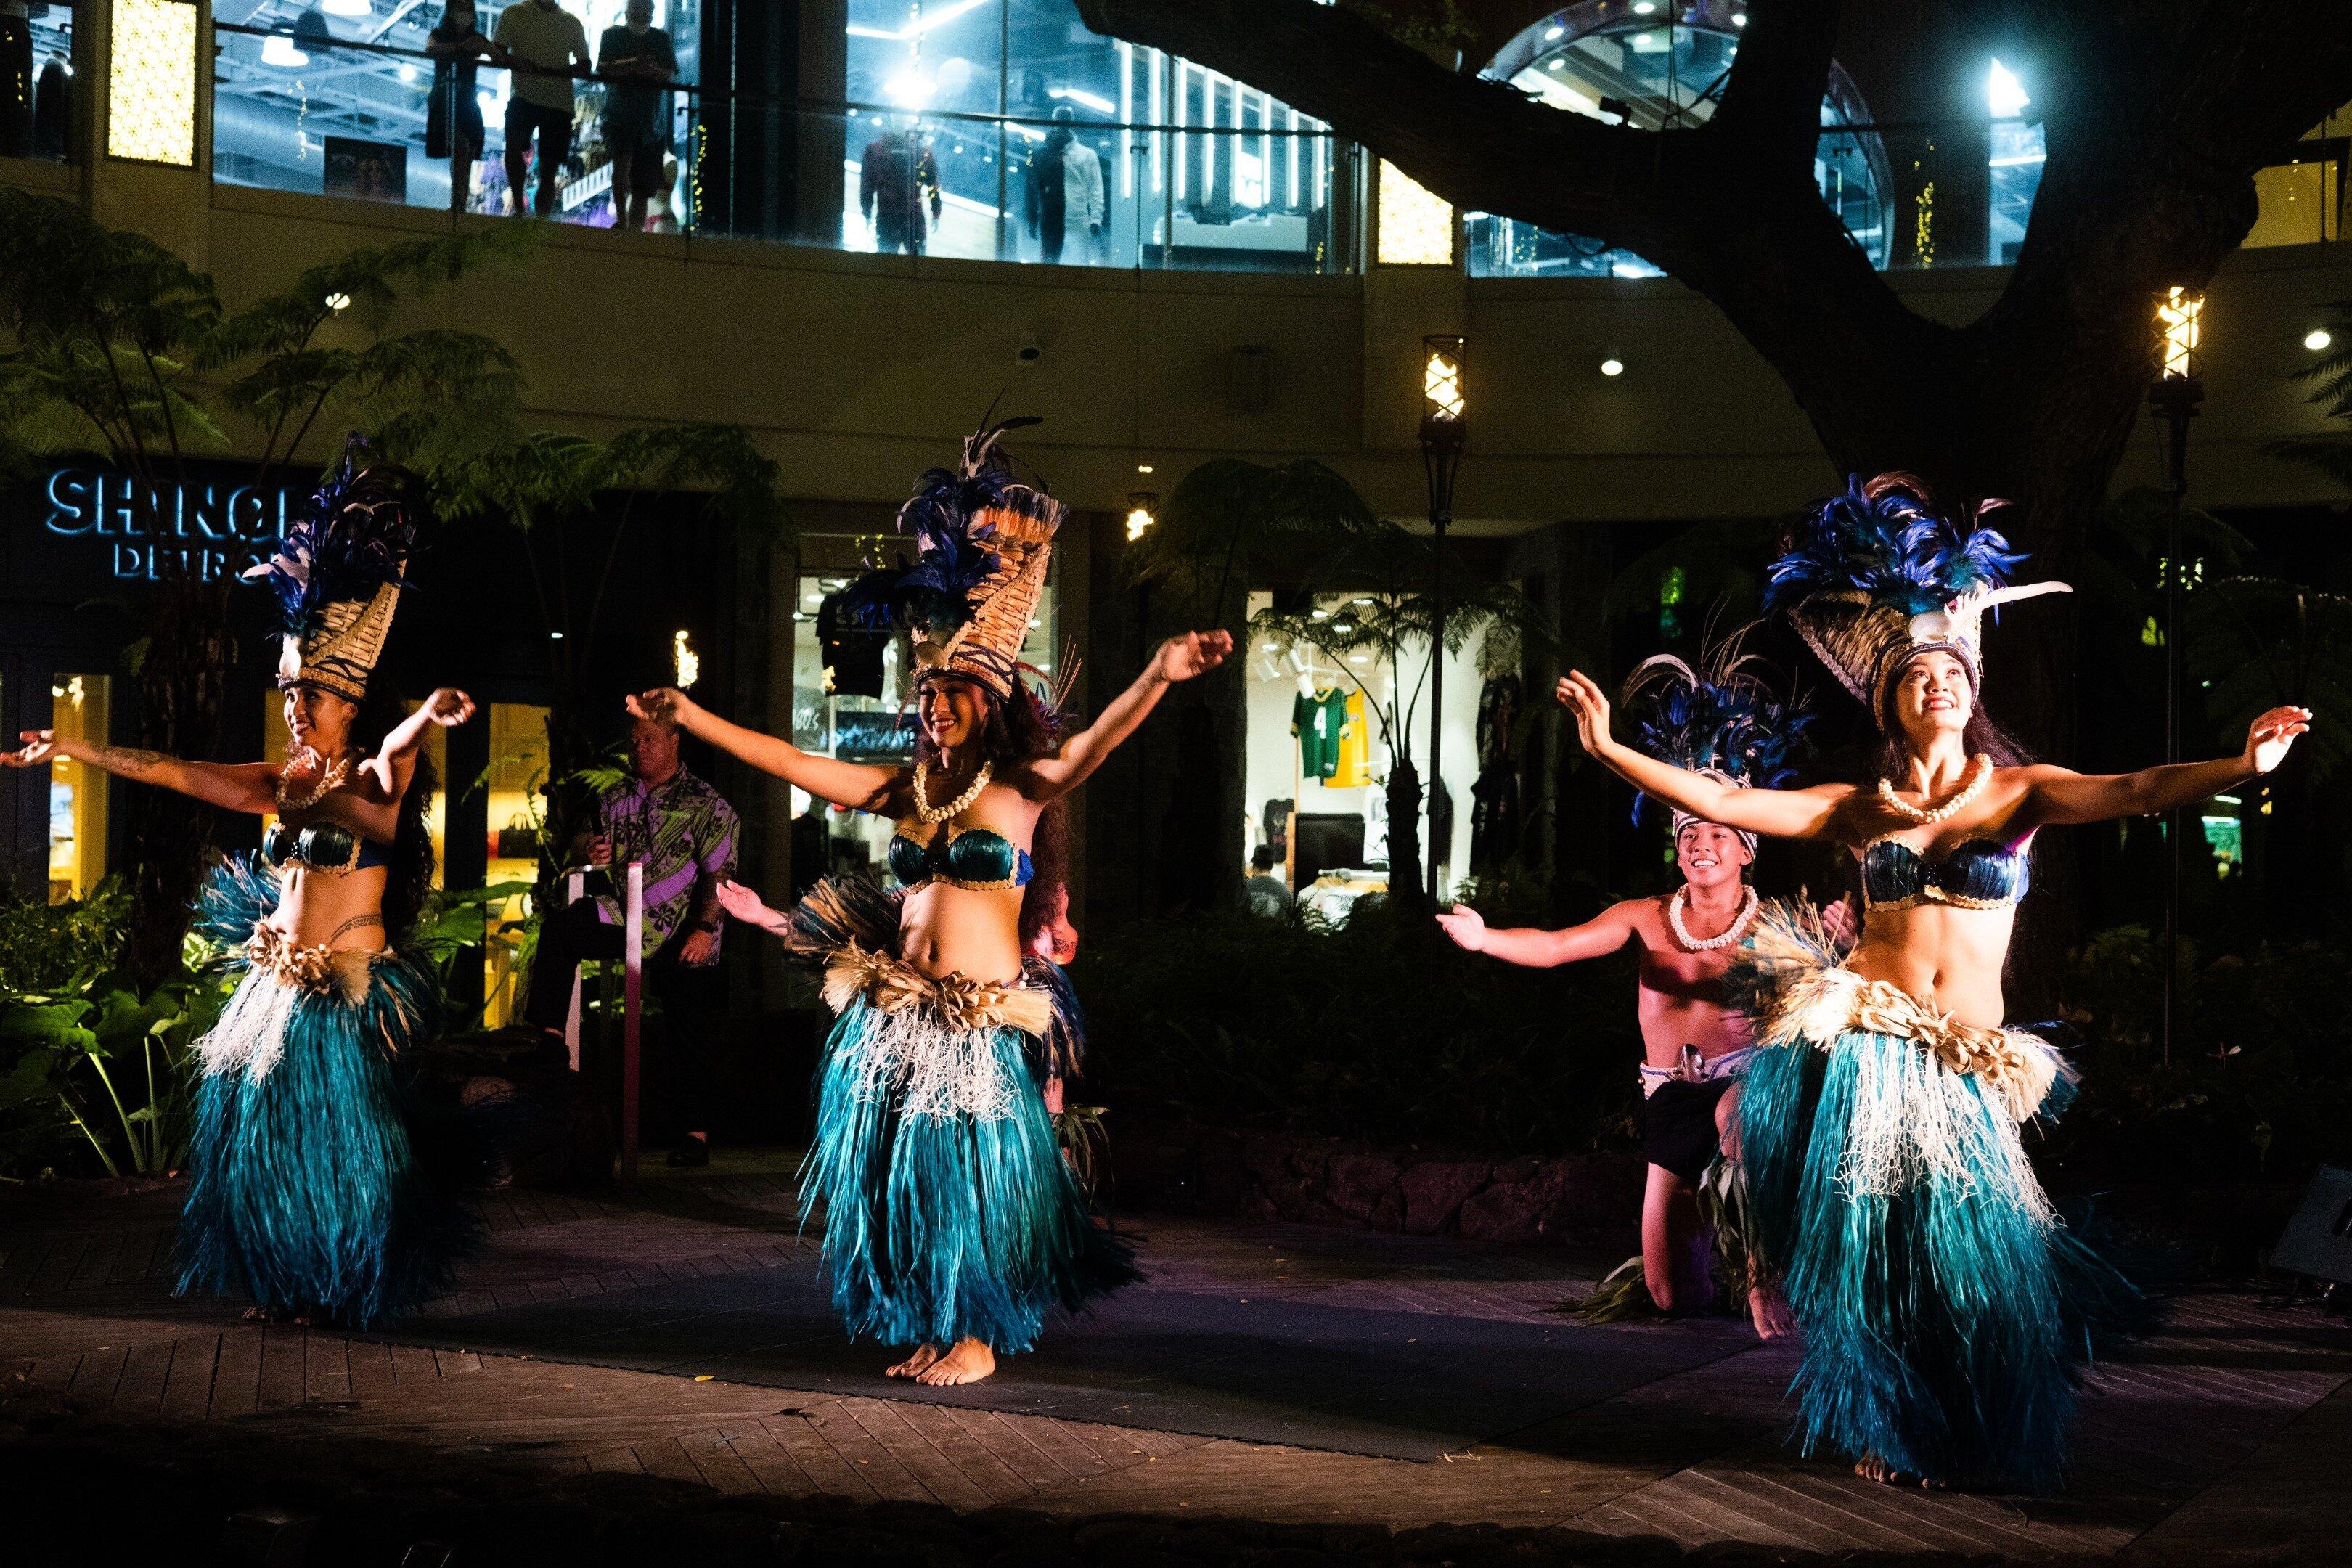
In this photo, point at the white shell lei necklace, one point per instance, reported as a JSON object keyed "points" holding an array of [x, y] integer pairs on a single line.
{"points": [[329, 777], [1979, 775], [1730, 933], [928, 813]]}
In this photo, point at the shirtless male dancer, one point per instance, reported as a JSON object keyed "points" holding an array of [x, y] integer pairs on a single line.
{"points": [[1695, 1046]]}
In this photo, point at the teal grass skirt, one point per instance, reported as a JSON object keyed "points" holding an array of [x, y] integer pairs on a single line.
{"points": [[320, 1186], [949, 1211]]}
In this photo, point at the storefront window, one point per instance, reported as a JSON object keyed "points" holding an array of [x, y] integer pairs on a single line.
{"points": [[1007, 129], [37, 80], [518, 771], [1322, 734], [852, 699], [78, 793]]}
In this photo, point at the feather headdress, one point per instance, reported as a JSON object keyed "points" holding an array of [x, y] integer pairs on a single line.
{"points": [[1720, 719], [1878, 575], [337, 574], [983, 538]]}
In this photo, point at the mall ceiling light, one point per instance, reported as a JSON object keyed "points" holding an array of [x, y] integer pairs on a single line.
{"points": [[1553, 34], [1646, 7], [278, 50], [910, 89], [345, 7], [924, 22], [1739, 18], [1612, 367], [1093, 101], [2004, 93], [2317, 339]]}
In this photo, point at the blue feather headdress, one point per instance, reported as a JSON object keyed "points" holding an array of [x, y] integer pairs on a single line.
{"points": [[982, 539], [1720, 719], [1877, 575], [337, 574]]}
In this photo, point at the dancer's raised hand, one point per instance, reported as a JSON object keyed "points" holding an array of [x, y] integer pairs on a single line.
{"points": [[1188, 654], [662, 705], [748, 907], [39, 747], [1465, 925], [1582, 696], [2270, 737], [448, 707]]}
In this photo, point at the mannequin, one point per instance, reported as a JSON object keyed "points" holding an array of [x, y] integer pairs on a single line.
{"points": [[1066, 193]]}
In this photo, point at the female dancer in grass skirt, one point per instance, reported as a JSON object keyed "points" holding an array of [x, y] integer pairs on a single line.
{"points": [[951, 1221], [317, 1190], [1948, 1311]]}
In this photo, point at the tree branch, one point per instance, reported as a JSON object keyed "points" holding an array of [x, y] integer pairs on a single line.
{"points": [[1773, 98]]}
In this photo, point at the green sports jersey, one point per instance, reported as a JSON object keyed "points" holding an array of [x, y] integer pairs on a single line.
{"points": [[1318, 721]]}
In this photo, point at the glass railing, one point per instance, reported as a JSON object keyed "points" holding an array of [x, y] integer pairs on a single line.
{"points": [[330, 118], [37, 81]]}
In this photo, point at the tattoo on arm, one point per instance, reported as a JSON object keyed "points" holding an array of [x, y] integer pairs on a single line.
{"points": [[127, 760]]}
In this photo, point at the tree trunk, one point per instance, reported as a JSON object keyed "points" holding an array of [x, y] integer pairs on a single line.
{"points": [[1404, 833], [182, 680]]}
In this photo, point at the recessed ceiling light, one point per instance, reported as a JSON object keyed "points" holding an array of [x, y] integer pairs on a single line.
{"points": [[2316, 339], [1612, 367], [1645, 8]]}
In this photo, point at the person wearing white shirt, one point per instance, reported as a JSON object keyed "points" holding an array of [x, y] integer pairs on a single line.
{"points": [[547, 44]]}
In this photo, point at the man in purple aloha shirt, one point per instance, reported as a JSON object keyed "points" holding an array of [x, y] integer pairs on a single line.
{"points": [[677, 825]]}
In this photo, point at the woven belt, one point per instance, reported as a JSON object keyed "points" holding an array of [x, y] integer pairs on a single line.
{"points": [[892, 986], [1815, 1007]]}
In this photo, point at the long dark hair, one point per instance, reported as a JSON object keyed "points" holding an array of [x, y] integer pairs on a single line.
{"points": [[411, 868]]}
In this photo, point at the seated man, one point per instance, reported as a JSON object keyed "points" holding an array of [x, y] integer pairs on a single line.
{"points": [[685, 834]]}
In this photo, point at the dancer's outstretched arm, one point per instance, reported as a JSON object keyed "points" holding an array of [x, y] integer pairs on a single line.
{"points": [[394, 763], [1774, 813], [1605, 934], [233, 786], [1178, 658], [860, 785], [2062, 795]]}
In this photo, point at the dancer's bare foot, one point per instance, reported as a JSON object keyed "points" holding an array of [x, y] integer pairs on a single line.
{"points": [[914, 1364], [1768, 1311], [278, 1315], [1874, 1469], [968, 1361]]}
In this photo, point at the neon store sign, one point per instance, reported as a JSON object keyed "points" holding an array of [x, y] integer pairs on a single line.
{"points": [[205, 531]]}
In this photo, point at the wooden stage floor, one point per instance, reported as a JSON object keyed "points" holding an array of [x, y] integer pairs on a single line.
{"points": [[2225, 1435]]}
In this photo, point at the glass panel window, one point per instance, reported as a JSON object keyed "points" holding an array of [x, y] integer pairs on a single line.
{"points": [[394, 103], [518, 771], [37, 81], [78, 793], [1662, 68], [853, 698]]}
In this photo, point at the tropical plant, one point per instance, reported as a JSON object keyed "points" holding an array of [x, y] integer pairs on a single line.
{"points": [[125, 352], [575, 501], [85, 1053]]}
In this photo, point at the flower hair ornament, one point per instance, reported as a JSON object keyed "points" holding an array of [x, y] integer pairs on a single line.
{"points": [[1876, 576]]}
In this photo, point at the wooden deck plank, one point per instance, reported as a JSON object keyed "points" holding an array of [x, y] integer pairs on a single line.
{"points": [[876, 1465], [99, 1371], [326, 1367], [282, 1376], [57, 1263], [665, 1458], [944, 1427], [188, 1390], [769, 1461], [895, 1427], [55, 1371], [96, 1260], [237, 1374], [721, 1470], [149, 1367], [802, 1437], [621, 1461]]}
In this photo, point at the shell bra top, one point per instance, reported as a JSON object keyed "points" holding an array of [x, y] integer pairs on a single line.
{"points": [[979, 859], [1977, 873], [327, 847]]}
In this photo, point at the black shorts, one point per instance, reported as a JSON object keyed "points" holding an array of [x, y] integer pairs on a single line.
{"points": [[554, 128], [644, 164], [1678, 1131]]}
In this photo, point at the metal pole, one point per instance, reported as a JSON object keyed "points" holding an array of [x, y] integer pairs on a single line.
{"points": [[2174, 401], [1440, 507], [633, 970]]}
